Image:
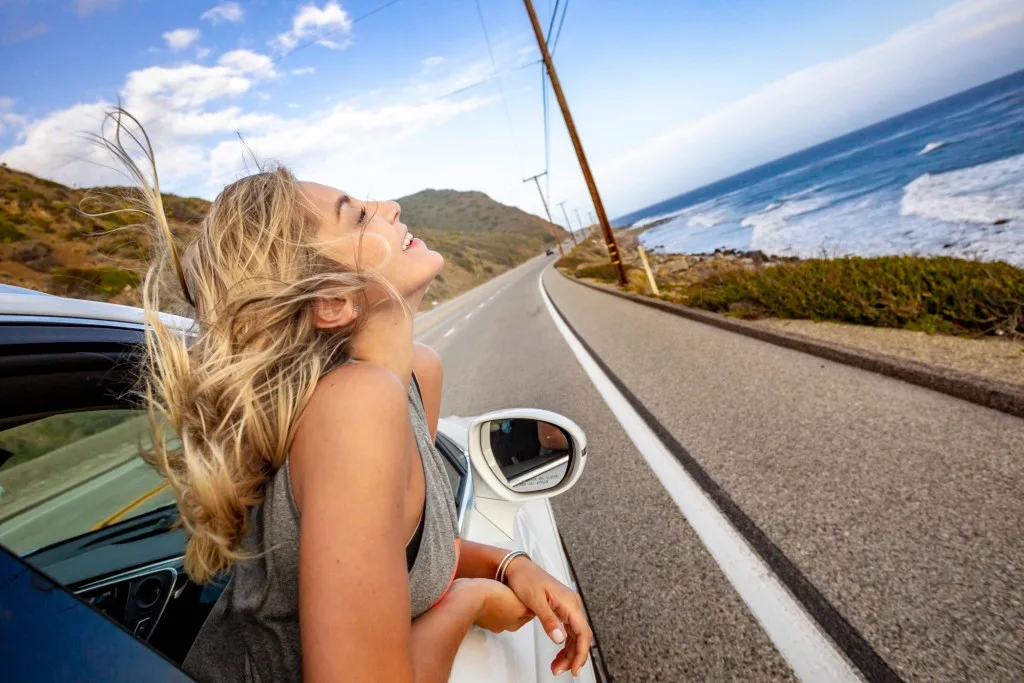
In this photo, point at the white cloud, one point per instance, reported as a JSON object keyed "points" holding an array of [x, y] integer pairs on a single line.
{"points": [[303, 70], [965, 44], [180, 38], [86, 7], [9, 119], [311, 21], [433, 62], [203, 52], [187, 112], [249, 62], [225, 11], [21, 34]]}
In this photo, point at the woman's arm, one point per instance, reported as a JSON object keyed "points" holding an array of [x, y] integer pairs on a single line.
{"points": [[559, 609], [349, 466], [429, 370]]}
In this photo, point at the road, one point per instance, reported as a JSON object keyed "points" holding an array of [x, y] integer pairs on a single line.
{"points": [[872, 527], [890, 514]]}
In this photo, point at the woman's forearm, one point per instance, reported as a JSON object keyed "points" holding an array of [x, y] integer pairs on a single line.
{"points": [[437, 634], [478, 561]]}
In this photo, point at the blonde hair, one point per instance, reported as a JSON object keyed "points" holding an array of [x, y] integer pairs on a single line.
{"points": [[233, 392]]}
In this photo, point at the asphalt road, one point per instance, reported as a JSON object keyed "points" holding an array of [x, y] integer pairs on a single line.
{"points": [[899, 506]]}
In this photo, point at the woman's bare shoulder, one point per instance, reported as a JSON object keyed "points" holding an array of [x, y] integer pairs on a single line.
{"points": [[354, 410]]}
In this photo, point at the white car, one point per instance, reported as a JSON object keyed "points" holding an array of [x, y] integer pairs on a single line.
{"points": [[82, 518]]}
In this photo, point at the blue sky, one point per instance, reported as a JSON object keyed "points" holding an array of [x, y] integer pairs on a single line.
{"points": [[668, 96]]}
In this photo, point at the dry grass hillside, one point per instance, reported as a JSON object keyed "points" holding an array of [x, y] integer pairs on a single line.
{"points": [[48, 243]]}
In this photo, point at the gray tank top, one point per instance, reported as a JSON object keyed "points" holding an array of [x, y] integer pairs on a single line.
{"points": [[252, 634]]}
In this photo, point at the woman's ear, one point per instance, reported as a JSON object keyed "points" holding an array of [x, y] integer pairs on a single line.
{"points": [[332, 313]]}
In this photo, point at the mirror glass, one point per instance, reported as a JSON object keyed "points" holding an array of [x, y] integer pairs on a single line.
{"points": [[528, 455]]}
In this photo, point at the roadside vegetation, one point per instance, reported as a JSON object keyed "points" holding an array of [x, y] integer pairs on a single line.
{"points": [[930, 294]]}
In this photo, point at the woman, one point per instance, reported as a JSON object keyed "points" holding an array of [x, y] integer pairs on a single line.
{"points": [[307, 416]]}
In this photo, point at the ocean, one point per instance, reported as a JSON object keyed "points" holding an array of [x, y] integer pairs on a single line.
{"points": [[945, 179]]}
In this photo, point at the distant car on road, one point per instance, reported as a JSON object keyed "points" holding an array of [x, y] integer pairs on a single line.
{"points": [[85, 521], [550, 251]]}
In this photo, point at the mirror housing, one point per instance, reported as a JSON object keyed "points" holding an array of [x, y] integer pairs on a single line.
{"points": [[497, 499]]}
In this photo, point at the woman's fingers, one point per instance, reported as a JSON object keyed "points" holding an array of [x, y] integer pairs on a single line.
{"points": [[550, 621], [572, 615], [560, 664]]}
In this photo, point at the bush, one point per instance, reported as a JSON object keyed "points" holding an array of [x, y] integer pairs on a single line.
{"points": [[568, 262], [107, 280], [9, 232], [601, 271], [932, 294]]}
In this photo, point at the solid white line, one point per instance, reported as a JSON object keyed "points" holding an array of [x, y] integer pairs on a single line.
{"points": [[809, 652], [449, 332]]}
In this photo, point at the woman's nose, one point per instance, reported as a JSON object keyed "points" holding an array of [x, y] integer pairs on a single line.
{"points": [[394, 210]]}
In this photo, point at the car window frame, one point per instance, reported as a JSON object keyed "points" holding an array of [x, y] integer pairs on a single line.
{"points": [[459, 459]]}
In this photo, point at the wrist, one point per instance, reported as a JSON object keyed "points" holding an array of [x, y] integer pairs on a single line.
{"points": [[517, 566], [467, 597]]}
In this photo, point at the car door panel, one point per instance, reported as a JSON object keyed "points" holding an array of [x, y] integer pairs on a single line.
{"points": [[57, 637]]}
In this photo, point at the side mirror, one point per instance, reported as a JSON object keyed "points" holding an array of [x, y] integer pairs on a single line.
{"points": [[520, 455]]}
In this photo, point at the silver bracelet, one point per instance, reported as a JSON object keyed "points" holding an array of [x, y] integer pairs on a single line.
{"points": [[499, 575]]}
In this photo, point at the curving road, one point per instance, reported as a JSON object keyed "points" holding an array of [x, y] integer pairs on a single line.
{"points": [[885, 516], [748, 512]]}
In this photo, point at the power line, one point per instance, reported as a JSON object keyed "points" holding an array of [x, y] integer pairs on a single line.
{"points": [[551, 24], [355, 20], [558, 33], [501, 89]]}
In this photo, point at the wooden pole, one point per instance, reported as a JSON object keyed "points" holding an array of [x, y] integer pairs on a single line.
{"points": [[647, 268], [572, 233], [595, 197], [543, 201]]}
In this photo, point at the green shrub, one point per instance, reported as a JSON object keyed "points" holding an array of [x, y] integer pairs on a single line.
{"points": [[568, 262], [932, 294], [601, 271], [104, 280], [26, 195], [9, 232]]}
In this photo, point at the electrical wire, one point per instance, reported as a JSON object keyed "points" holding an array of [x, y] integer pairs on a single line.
{"points": [[355, 20], [558, 32], [551, 24], [497, 77]]}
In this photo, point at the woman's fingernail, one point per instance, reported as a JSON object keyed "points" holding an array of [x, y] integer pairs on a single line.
{"points": [[560, 669], [558, 635]]}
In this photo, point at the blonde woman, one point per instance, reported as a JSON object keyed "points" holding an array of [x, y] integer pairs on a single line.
{"points": [[308, 472]]}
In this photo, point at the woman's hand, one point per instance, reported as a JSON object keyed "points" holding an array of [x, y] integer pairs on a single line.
{"points": [[559, 609], [497, 607]]}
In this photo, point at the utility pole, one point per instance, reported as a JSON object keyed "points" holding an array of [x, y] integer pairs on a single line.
{"points": [[595, 197], [543, 201], [572, 232], [583, 231]]}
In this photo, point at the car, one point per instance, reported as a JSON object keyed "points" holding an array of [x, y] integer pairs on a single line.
{"points": [[549, 251], [91, 558]]}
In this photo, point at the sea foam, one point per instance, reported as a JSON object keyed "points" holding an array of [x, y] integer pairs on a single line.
{"points": [[985, 193]]}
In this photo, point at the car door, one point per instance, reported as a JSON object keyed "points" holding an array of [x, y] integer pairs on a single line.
{"points": [[80, 512], [523, 656]]}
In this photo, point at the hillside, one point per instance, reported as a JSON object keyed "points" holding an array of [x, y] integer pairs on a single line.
{"points": [[47, 243]]}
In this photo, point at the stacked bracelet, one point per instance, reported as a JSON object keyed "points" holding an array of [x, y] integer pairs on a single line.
{"points": [[499, 575]]}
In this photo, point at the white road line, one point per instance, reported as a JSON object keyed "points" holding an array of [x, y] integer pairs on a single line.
{"points": [[809, 652], [468, 316], [490, 298], [481, 305], [449, 332]]}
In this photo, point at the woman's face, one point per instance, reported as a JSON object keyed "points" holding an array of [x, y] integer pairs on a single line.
{"points": [[355, 233]]}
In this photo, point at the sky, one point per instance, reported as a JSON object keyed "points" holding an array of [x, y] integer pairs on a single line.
{"points": [[386, 98]]}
